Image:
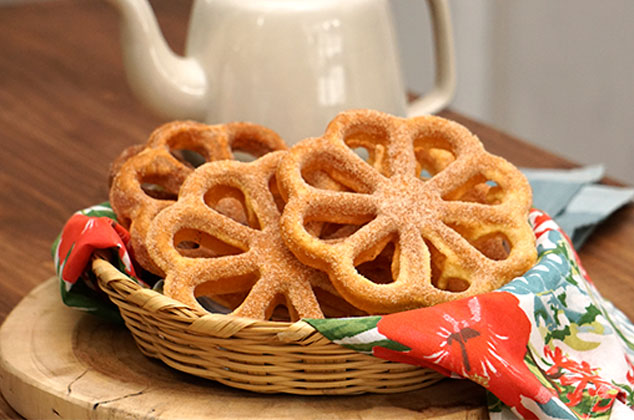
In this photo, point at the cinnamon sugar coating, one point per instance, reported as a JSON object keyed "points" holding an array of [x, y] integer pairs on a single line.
{"points": [[146, 178], [428, 217], [247, 265]]}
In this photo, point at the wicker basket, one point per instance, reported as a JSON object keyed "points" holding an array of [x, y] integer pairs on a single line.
{"points": [[261, 356]]}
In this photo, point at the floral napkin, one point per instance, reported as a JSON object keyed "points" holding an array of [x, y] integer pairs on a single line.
{"points": [[546, 345]]}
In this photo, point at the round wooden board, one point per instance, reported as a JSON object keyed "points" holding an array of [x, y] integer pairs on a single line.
{"points": [[56, 362]]}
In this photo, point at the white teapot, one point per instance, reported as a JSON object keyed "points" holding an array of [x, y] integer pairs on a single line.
{"points": [[290, 65]]}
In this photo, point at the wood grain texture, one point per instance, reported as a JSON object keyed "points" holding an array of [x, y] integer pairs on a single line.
{"points": [[81, 367], [66, 112]]}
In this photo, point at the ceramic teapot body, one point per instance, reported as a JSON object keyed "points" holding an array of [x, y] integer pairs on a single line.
{"points": [[290, 65]]}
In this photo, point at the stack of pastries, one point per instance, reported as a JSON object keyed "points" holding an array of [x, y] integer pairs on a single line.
{"points": [[378, 215]]}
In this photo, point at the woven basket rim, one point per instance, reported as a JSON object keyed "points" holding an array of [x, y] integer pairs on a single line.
{"points": [[250, 354], [219, 325]]}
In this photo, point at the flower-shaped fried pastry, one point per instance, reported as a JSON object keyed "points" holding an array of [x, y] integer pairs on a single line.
{"points": [[145, 179], [243, 260], [429, 217]]}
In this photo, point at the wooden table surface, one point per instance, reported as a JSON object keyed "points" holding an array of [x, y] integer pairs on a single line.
{"points": [[66, 112]]}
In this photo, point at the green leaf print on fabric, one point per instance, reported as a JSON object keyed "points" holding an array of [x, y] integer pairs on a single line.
{"points": [[358, 334]]}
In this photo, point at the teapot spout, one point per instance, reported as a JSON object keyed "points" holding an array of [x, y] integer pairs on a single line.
{"points": [[172, 85]]}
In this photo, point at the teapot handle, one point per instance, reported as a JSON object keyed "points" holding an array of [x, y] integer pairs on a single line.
{"points": [[445, 79]]}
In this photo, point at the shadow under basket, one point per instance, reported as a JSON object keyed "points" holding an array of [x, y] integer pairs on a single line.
{"points": [[255, 355]]}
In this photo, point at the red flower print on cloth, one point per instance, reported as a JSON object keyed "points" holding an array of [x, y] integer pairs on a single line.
{"points": [[482, 338], [579, 377], [630, 371], [82, 236]]}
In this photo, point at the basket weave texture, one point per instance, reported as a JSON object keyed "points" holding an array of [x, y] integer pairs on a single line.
{"points": [[260, 356]]}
